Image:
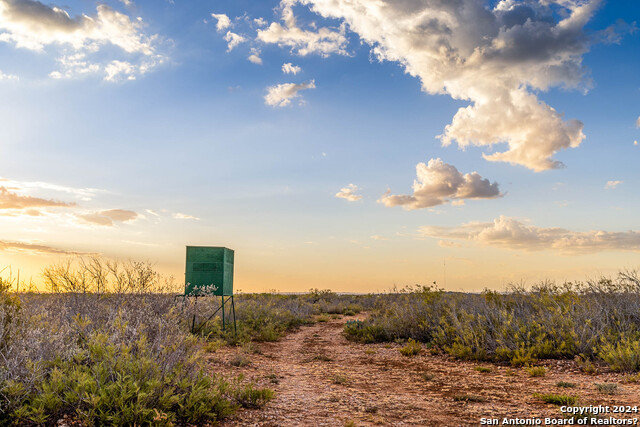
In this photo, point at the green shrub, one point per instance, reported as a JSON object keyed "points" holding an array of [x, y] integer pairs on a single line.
{"points": [[121, 384], [413, 348], [585, 365], [250, 396], [537, 371], [548, 321], [482, 369], [339, 379], [565, 384], [556, 399], [624, 355], [607, 388], [239, 360]]}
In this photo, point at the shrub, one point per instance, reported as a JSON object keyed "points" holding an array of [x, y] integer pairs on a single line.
{"points": [[427, 376], [607, 388], [482, 369], [120, 383], [103, 359], [585, 365], [250, 396], [595, 319], [565, 384], [624, 355], [413, 348], [239, 360], [556, 399], [469, 398], [537, 371], [339, 379]]}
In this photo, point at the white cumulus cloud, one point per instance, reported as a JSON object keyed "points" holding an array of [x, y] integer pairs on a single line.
{"points": [[437, 183], [323, 41], [255, 56], [289, 68], [512, 233], [282, 94], [223, 21], [349, 193], [233, 40], [29, 24], [494, 55]]}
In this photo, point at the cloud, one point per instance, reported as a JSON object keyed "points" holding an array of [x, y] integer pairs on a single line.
{"points": [[255, 56], [260, 22], [233, 40], [437, 183], [4, 76], [12, 200], [510, 233], [612, 184], [448, 244], [118, 68], [185, 216], [81, 193], [377, 237], [282, 94], [223, 21], [37, 248], [496, 57], [638, 122], [289, 68], [322, 41], [29, 24], [349, 193], [109, 217]]}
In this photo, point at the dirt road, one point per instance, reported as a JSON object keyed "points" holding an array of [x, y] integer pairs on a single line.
{"points": [[321, 379]]}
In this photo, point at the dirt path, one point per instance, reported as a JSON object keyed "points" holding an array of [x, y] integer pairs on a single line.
{"points": [[321, 379]]}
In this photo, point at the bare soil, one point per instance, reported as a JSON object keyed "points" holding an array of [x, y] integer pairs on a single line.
{"points": [[321, 379]]}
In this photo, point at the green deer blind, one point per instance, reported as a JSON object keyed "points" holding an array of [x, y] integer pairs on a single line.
{"points": [[209, 271]]}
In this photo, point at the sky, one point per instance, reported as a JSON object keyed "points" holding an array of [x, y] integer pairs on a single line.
{"points": [[343, 144]]}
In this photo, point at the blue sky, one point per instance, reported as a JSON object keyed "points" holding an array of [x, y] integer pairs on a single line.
{"points": [[153, 136]]}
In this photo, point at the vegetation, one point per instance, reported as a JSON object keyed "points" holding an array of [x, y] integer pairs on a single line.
{"points": [[413, 348], [607, 388], [556, 399], [109, 345], [537, 371], [598, 319], [469, 398], [565, 384]]}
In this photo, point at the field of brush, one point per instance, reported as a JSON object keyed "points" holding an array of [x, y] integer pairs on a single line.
{"points": [[109, 345]]}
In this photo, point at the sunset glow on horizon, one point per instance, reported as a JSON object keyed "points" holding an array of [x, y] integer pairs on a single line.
{"points": [[333, 144]]}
